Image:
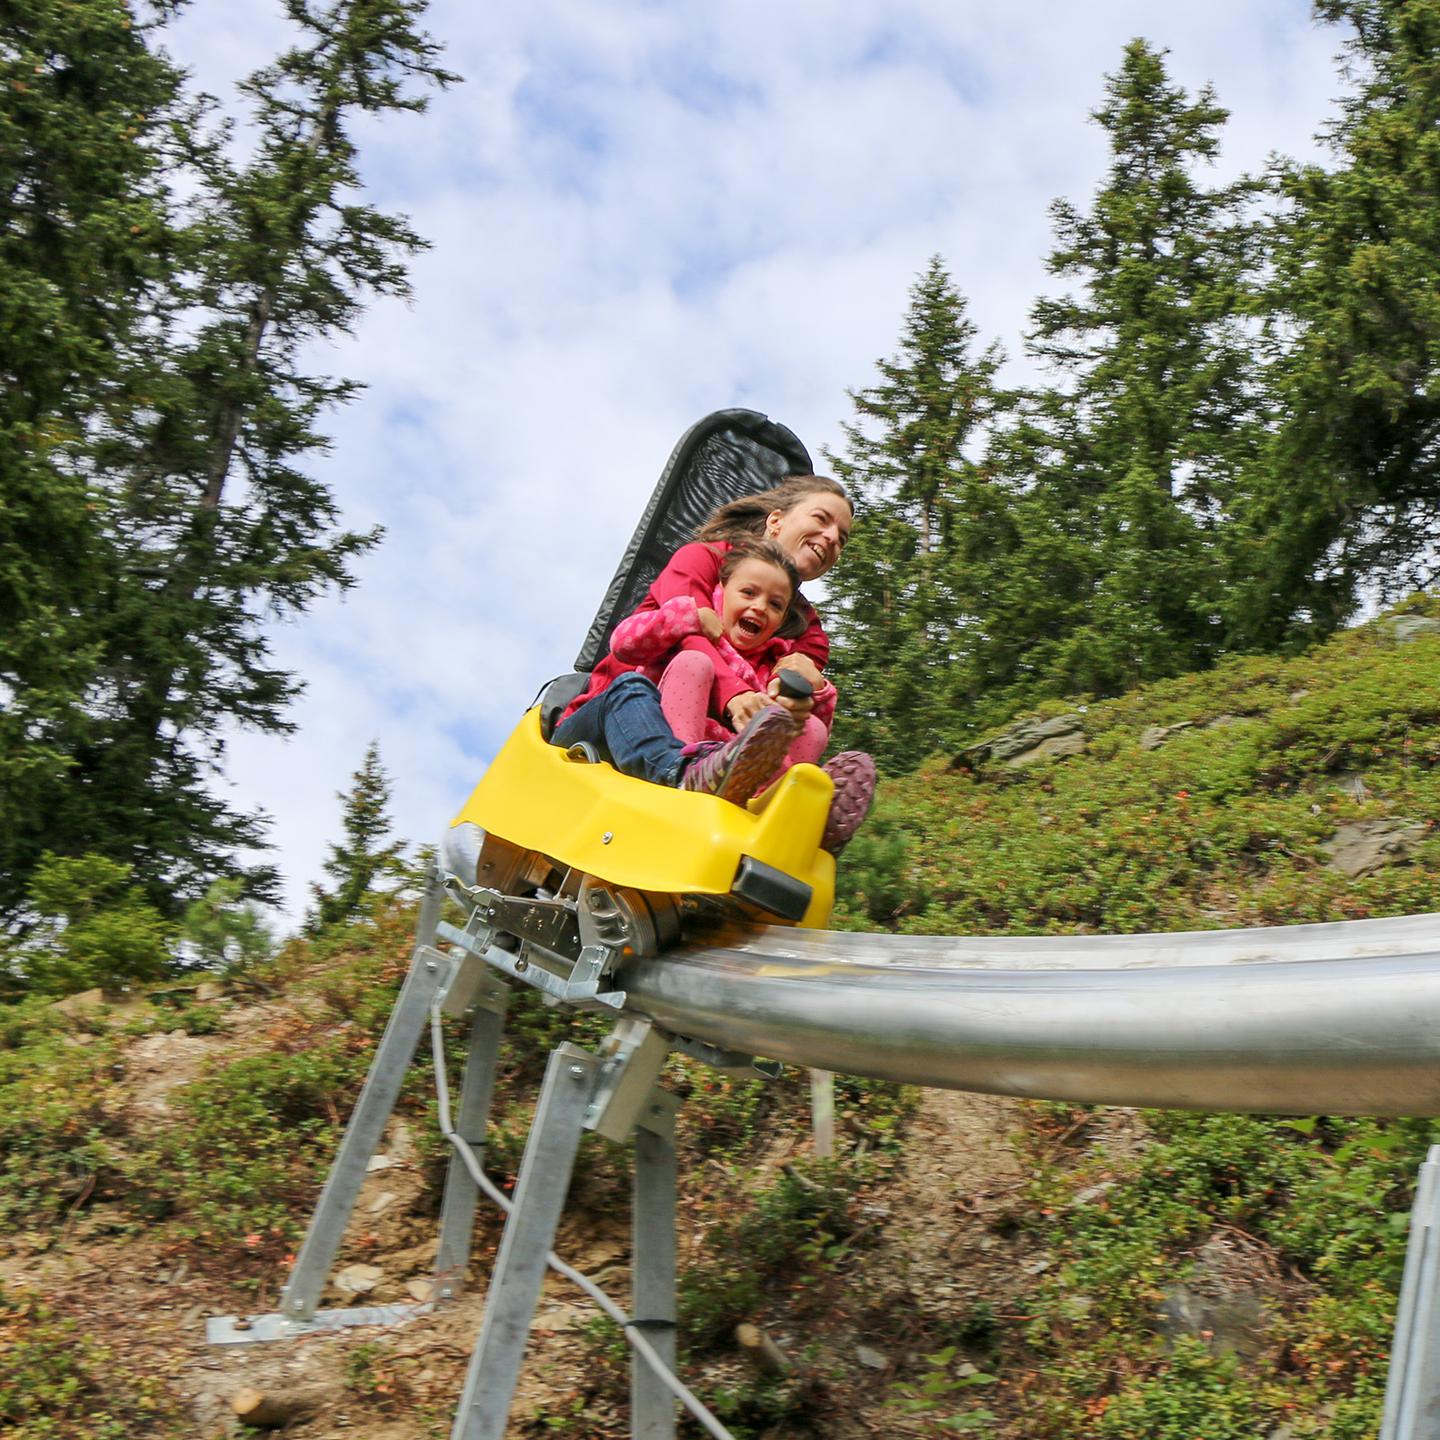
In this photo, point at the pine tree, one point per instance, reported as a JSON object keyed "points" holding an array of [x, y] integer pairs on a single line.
{"points": [[928, 528], [92, 927], [1351, 502], [203, 471], [85, 105], [361, 861], [225, 931], [1132, 458]]}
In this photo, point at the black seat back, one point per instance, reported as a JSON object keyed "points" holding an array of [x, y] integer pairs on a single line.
{"points": [[556, 696], [724, 456]]}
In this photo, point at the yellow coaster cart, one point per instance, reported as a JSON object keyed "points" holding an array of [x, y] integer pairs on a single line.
{"points": [[564, 865]]}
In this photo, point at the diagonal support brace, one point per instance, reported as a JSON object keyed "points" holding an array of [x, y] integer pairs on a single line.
{"points": [[430, 973]]}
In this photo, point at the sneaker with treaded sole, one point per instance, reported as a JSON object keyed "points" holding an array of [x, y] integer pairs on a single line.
{"points": [[735, 769], [853, 775]]}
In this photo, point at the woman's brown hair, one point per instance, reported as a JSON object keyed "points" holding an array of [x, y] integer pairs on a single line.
{"points": [[745, 518]]}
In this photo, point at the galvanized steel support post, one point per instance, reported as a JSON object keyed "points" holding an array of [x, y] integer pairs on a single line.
{"points": [[652, 1404], [520, 1266], [430, 971], [432, 904], [457, 1209], [822, 1113], [1412, 1394]]}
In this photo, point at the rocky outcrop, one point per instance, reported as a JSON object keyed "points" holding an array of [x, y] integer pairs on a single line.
{"points": [[1223, 1300], [1367, 845], [1027, 743], [1402, 629], [1154, 736]]}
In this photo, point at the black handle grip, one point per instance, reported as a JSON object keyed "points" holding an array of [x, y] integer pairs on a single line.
{"points": [[794, 686]]}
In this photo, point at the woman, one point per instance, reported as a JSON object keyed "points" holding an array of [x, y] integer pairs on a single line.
{"points": [[809, 517]]}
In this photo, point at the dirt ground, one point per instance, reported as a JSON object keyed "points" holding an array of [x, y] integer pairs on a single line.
{"points": [[942, 1244]]}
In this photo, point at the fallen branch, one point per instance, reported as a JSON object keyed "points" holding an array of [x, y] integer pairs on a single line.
{"points": [[803, 1181]]}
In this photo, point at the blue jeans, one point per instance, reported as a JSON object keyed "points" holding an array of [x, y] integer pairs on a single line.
{"points": [[627, 725]]}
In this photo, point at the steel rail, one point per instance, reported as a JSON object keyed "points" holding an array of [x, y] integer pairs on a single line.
{"points": [[1304, 1019]]}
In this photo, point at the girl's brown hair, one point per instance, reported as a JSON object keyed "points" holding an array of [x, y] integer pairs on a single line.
{"points": [[745, 518]]}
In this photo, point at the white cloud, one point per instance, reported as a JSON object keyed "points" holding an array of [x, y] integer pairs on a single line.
{"points": [[640, 213]]}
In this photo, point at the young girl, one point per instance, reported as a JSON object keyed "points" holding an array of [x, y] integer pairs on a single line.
{"points": [[809, 517], [755, 594], [621, 709]]}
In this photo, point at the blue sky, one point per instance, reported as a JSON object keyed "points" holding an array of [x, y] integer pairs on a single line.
{"points": [[639, 213]]}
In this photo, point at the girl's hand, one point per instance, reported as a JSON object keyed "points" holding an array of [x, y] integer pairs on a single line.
{"points": [[805, 667], [744, 708], [798, 708], [710, 626]]}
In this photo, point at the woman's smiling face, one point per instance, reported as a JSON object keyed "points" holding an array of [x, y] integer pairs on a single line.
{"points": [[755, 599], [812, 532]]}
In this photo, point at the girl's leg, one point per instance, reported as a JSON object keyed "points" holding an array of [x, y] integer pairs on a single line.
{"points": [[809, 745], [685, 694], [626, 720], [853, 774]]}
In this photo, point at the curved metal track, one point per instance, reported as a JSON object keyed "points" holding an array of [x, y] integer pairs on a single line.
{"points": [[1302, 1019]]}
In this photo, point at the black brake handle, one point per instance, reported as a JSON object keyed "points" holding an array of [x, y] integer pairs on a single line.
{"points": [[794, 686]]}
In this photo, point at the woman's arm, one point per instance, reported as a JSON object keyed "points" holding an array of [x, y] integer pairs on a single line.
{"points": [[693, 570], [814, 642]]}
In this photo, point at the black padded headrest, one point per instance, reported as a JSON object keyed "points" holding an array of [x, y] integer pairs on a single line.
{"points": [[726, 455]]}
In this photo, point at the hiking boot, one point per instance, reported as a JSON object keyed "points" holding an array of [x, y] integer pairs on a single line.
{"points": [[735, 769], [853, 773]]}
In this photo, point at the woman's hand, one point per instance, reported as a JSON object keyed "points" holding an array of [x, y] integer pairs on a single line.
{"points": [[710, 626], [805, 667], [744, 708], [798, 708]]}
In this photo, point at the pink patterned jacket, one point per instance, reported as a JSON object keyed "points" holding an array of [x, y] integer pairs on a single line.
{"points": [[649, 639]]}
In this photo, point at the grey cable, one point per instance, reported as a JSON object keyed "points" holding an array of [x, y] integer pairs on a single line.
{"points": [[646, 1351]]}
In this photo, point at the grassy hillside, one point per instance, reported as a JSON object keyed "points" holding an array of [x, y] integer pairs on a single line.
{"points": [[160, 1157], [1223, 823], [1150, 1276], [1231, 1276]]}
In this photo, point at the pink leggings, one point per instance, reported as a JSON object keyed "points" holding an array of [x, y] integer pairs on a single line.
{"points": [[687, 696]]}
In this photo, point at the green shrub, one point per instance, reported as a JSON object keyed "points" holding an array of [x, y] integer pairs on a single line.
{"points": [[800, 1224], [60, 1124], [249, 1146], [93, 929], [1197, 1396], [878, 880], [943, 1393], [1327, 1199], [56, 1384]]}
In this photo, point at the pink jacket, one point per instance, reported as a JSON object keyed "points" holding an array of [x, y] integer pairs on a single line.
{"points": [[694, 571], [649, 639]]}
